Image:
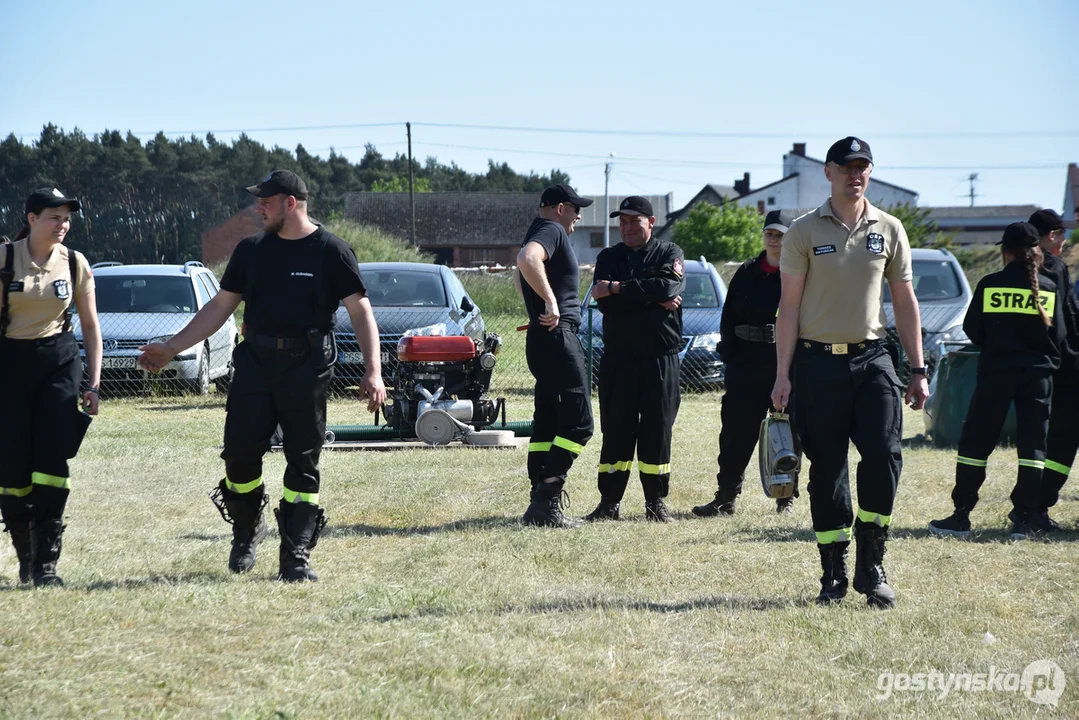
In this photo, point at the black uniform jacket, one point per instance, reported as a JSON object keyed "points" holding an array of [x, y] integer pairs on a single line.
{"points": [[634, 323], [1004, 321], [752, 299], [1056, 269]]}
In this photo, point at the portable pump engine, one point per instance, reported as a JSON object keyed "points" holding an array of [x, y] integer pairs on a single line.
{"points": [[440, 387]]}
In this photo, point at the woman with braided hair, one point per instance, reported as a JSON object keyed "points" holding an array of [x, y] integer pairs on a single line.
{"points": [[1016, 318]]}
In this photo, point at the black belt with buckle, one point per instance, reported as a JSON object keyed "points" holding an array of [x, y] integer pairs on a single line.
{"points": [[756, 333], [838, 348], [271, 342]]}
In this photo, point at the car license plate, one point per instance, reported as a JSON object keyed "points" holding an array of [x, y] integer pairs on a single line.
{"points": [[116, 363], [355, 357]]}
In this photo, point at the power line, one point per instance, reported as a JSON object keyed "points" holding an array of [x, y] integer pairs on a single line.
{"points": [[737, 135], [759, 136]]}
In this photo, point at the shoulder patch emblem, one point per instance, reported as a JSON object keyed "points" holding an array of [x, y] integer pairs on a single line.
{"points": [[874, 243], [678, 267]]}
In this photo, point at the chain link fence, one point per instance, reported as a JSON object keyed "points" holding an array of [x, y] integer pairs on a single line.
{"points": [[142, 304]]}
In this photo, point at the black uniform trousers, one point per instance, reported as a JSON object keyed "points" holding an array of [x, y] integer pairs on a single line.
{"points": [[856, 398], [272, 387], [1030, 389], [638, 403], [562, 419], [1063, 439], [746, 401], [41, 426]]}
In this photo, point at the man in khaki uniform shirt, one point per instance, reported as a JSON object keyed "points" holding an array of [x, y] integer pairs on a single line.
{"points": [[831, 326]]}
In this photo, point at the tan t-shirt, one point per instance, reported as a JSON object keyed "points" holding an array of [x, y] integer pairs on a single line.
{"points": [[38, 296], [844, 272]]}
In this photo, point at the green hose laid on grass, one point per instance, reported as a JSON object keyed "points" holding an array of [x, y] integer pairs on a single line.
{"points": [[357, 433]]}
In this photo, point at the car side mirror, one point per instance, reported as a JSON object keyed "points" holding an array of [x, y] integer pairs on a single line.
{"points": [[466, 305]]}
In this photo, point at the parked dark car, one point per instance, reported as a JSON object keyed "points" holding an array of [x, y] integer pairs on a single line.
{"points": [[419, 298], [943, 297], [702, 307]]}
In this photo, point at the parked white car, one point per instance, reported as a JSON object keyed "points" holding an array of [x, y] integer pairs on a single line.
{"points": [[138, 304]]}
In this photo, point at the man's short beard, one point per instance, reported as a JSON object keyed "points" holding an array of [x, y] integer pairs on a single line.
{"points": [[273, 226]]}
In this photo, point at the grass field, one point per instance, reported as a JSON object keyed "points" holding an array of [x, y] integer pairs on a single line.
{"points": [[435, 602]]}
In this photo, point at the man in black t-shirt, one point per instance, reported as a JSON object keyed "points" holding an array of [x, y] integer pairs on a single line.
{"points": [[291, 278], [562, 422]]}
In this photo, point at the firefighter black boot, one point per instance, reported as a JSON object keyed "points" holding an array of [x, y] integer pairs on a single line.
{"points": [[717, 506], [545, 510], [869, 577], [655, 509], [833, 581], [300, 525], [48, 529], [606, 510], [244, 512], [17, 515]]}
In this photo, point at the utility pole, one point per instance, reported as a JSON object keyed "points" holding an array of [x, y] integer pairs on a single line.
{"points": [[971, 178], [607, 204], [411, 189]]}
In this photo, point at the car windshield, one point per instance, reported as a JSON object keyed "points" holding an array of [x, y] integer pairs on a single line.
{"points": [[403, 288], [144, 294], [699, 292], [933, 280]]}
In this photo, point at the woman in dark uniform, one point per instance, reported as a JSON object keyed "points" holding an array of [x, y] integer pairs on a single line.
{"points": [[42, 425], [1016, 318], [747, 346]]}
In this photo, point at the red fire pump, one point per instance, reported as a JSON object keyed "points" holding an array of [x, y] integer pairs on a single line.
{"points": [[440, 387]]}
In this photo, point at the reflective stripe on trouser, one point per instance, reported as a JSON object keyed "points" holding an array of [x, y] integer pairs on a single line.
{"points": [[562, 416], [638, 401], [243, 488], [272, 388], [827, 537], [291, 496], [874, 518], [841, 399], [40, 427], [745, 403], [1030, 389], [1063, 439]]}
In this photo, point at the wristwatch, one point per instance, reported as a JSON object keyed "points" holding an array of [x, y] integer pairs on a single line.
{"points": [[94, 390], [919, 371]]}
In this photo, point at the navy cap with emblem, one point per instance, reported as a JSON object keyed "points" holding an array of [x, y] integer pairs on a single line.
{"points": [[848, 149], [562, 193], [1020, 235], [280, 182], [44, 198], [634, 205]]}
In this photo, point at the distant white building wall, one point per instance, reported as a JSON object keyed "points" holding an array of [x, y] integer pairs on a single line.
{"points": [[814, 188]]}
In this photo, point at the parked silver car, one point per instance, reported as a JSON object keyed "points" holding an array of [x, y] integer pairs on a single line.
{"points": [[943, 297], [138, 304]]}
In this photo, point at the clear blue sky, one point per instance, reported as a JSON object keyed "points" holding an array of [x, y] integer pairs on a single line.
{"points": [[939, 89]]}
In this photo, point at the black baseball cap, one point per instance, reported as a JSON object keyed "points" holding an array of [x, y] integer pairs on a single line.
{"points": [[562, 193], [1020, 235], [778, 220], [634, 205], [280, 182], [44, 198], [1046, 221], [849, 148]]}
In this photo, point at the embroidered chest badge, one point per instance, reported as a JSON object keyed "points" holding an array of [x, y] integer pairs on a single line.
{"points": [[874, 243], [62, 290]]}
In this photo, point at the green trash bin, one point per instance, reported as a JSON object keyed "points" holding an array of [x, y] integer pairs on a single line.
{"points": [[949, 397]]}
